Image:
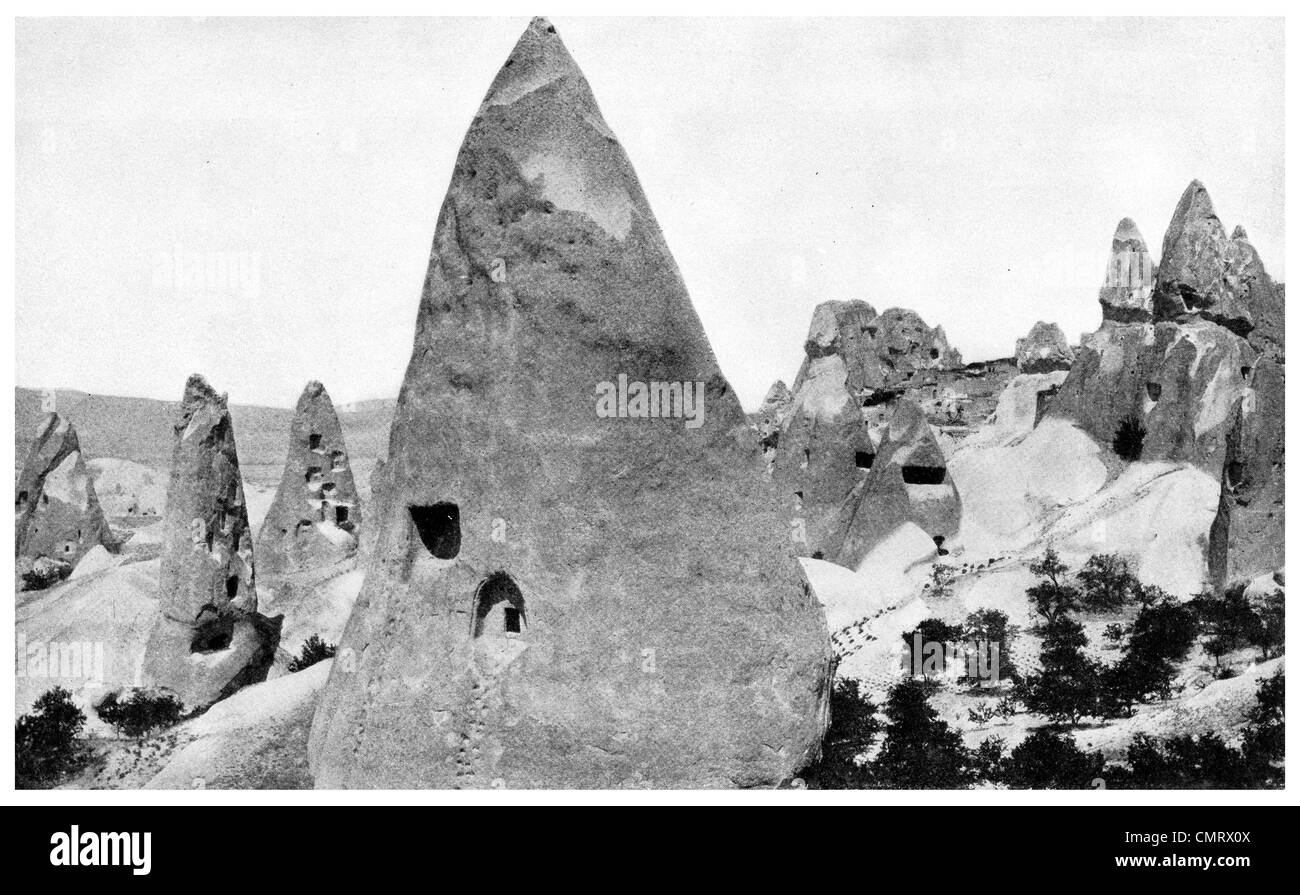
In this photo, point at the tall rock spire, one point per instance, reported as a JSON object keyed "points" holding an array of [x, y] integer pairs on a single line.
{"points": [[315, 518], [209, 639], [57, 513], [579, 578]]}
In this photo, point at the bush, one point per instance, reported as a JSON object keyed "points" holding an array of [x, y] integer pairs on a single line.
{"points": [[1051, 759], [313, 650], [1128, 439], [991, 626], [45, 741], [1264, 740], [1227, 623], [853, 728], [141, 713]]}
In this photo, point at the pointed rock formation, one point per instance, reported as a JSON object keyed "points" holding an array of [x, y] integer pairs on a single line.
{"points": [[1130, 277], [771, 413], [1205, 379], [209, 639], [580, 578], [1179, 378], [315, 518], [1044, 350], [1194, 278], [908, 482], [57, 513]]}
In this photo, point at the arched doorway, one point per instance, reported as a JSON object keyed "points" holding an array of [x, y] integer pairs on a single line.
{"points": [[498, 607]]}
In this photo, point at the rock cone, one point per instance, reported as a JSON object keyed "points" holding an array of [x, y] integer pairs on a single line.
{"points": [[1044, 350], [315, 518], [580, 578], [209, 639]]}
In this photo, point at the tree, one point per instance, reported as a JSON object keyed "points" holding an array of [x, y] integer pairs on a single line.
{"points": [[988, 761], [1269, 632], [1227, 622], [1129, 436], [990, 626], [45, 740], [1050, 759], [1186, 762], [930, 631], [1264, 739], [314, 650], [1067, 687], [852, 730], [1052, 596], [919, 751], [1107, 583]]}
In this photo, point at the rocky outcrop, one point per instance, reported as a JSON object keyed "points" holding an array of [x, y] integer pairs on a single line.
{"points": [[57, 514], [580, 577], [1178, 376], [1044, 350], [908, 481], [771, 413], [1204, 378], [315, 518], [209, 639], [856, 362]]}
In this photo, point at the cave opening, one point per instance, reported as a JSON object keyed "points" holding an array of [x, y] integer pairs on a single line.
{"points": [[1153, 391], [340, 515], [924, 475], [313, 441], [313, 473], [863, 459], [439, 528], [232, 587]]}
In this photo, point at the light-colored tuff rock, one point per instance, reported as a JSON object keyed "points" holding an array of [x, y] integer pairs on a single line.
{"points": [[1044, 350], [209, 639], [854, 359], [1130, 277], [908, 481], [566, 588], [315, 518], [56, 511]]}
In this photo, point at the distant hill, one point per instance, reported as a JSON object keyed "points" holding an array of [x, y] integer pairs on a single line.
{"points": [[140, 429]]}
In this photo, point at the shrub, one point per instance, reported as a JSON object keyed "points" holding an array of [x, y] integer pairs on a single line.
{"points": [[141, 713], [45, 741], [1227, 622], [313, 650], [1128, 439], [991, 626]]}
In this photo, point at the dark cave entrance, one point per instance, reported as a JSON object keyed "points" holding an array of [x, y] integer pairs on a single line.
{"points": [[340, 515], [439, 528], [863, 459], [232, 587], [313, 441], [924, 475], [496, 589]]}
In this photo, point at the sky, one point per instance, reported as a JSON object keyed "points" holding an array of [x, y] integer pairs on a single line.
{"points": [[255, 199]]}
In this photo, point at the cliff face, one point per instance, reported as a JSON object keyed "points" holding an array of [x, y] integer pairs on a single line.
{"points": [[579, 576]]}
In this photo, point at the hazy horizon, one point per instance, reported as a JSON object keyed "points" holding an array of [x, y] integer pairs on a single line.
{"points": [[972, 170]]}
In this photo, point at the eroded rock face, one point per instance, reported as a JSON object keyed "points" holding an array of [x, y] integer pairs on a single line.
{"points": [[56, 511], [908, 482], [565, 592], [854, 359], [1205, 378], [1179, 376], [315, 518], [209, 639], [1044, 350]]}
